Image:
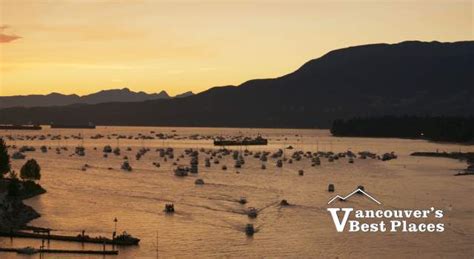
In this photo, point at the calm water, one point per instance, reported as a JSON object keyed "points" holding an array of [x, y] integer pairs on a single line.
{"points": [[209, 221]]}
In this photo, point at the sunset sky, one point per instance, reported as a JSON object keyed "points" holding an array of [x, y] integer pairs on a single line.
{"points": [[83, 46]]}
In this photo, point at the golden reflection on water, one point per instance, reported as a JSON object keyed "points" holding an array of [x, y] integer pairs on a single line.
{"points": [[209, 221]]}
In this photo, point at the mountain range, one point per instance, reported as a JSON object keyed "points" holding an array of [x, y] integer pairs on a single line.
{"points": [[407, 78], [105, 96]]}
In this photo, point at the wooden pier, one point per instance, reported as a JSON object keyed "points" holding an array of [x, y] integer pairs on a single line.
{"points": [[59, 251], [79, 238]]}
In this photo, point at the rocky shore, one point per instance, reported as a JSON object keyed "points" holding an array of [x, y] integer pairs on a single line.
{"points": [[14, 214]]}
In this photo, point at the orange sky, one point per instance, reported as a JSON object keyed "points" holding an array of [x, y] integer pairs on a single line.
{"points": [[83, 46]]}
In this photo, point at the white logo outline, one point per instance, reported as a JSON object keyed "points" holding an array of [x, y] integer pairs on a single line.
{"points": [[352, 193]]}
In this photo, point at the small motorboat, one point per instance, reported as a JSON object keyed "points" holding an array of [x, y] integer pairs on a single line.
{"points": [[237, 164], [249, 230], [279, 163], [169, 208], [331, 188], [126, 166], [181, 171], [126, 239], [27, 250], [18, 155], [252, 212]]}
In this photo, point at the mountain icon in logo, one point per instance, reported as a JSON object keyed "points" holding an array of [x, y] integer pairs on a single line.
{"points": [[358, 190]]}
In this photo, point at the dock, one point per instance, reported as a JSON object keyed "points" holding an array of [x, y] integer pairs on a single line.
{"points": [[58, 251], [78, 238]]}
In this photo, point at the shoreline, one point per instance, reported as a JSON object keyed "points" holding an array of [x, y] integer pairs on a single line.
{"points": [[14, 213]]}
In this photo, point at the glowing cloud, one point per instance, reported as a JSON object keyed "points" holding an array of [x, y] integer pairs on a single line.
{"points": [[6, 38]]}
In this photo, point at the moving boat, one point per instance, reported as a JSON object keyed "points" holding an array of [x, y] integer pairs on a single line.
{"points": [[252, 212], [331, 187], [169, 208], [249, 230]]}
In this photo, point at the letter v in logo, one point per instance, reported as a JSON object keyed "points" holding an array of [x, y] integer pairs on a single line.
{"points": [[340, 225]]}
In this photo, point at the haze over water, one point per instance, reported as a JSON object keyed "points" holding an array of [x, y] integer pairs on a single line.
{"points": [[209, 221]]}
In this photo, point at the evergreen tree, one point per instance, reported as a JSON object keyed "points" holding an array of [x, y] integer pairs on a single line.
{"points": [[4, 159], [30, 170]]}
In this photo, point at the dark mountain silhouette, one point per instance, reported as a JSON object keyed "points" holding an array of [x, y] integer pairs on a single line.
{"points": [[186, 94], [415, 78], [122, 95], [105, 96]]}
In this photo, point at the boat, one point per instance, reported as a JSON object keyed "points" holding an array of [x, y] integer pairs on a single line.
{"points": [[169, 208], [18, 155], [331, 187], [241, 142], [279, 163], [194, 165], [72, 126], [249, 230], [181, 171], [27, 250], [107, 149], [126, 239], [126, 166], [238, 164], [252, 212], [199, 182], [242, 200], [19, 127], [284, 203], [389, 156], [80, 151]]}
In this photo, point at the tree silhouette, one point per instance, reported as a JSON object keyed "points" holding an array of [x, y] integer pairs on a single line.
{"points": [[4, 159], [30, 170]]}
